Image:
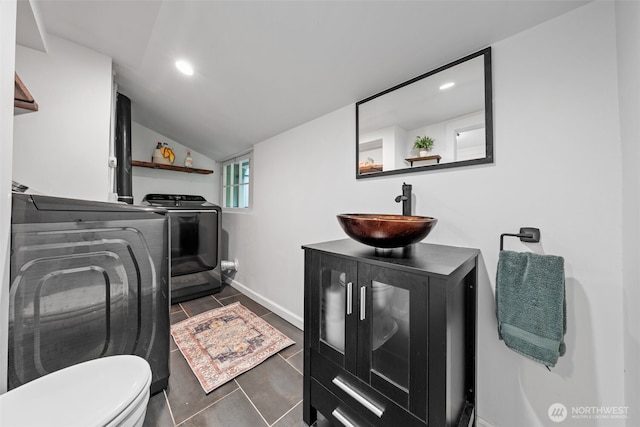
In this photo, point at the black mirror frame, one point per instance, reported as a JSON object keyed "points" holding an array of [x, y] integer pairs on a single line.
{"points": [[488, 108]]}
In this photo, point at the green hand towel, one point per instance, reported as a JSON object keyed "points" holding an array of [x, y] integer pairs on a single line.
{"points": [[531, 306]]}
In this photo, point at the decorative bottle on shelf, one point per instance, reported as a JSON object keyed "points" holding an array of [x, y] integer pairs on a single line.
{"points": [[188, 161]]}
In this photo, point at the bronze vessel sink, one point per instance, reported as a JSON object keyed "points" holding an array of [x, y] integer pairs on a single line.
{"points": [[386, 231]]}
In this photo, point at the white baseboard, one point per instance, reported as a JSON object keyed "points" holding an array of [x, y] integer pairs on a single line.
{"points": [[287, 315]]}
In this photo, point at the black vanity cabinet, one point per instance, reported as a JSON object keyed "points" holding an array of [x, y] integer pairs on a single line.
{"points": [[390, 337]]}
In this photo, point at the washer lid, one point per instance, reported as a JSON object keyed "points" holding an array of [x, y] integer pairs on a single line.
{"points": [[178, 202], [90, 393]]}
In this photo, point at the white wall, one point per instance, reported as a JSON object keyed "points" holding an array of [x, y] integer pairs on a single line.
{"points": [[558, 156], [63, 149], [628, 26], [7, 58], [145, 181], [558, 140], [300, 179]]}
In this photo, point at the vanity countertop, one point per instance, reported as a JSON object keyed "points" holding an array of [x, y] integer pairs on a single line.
{"points": [[440, 260]]}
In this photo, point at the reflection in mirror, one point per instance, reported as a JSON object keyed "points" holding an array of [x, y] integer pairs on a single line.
{"points": [[450, 105], [470, 144]]}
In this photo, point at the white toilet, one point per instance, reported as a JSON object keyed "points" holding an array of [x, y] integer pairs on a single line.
{"points": [[106, 392]]}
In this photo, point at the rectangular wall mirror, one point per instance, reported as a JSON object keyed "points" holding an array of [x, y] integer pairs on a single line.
{"points": [[448, 109]]}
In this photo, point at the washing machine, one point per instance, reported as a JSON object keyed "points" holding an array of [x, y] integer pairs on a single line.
{"points": [[87, 280], [196, 229]]}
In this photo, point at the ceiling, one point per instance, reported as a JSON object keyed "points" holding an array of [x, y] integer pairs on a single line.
{"points": [[263, 67]]}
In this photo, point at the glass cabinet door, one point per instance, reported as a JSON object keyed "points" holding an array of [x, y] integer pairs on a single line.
{"points": [[395, 326], [335, 333], [332, 300], [390, 330]]}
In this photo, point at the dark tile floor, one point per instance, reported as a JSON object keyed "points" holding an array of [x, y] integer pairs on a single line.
{"points": [[268, 395]]}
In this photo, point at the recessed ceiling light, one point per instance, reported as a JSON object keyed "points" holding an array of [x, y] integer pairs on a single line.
{"points": [[184, 67], [448, 85]]}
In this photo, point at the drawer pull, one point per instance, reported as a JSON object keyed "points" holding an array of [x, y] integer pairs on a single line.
{"points": [[349, 297], [377, 411], [338, 416], [363, 302]]}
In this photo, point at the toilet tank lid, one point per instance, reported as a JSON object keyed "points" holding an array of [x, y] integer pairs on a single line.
{"points": [[90, 393]]}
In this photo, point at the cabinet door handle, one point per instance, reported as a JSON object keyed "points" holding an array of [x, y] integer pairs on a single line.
{"points": [[363, 302], [338, 416], [349, 297], [377, 411]]}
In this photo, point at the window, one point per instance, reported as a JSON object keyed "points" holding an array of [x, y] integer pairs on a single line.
{"points": [[235, 182]]}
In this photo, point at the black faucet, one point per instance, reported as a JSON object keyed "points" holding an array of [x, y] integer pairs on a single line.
{"points": [[405, 198]]}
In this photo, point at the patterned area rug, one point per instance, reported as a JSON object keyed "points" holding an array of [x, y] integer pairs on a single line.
{"points": [[222, 343]]}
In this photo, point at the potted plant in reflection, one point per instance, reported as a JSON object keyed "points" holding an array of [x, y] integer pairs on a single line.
{"points": [[424, 145]]}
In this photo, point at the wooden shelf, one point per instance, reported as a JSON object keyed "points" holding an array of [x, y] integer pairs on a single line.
{"points": [[22, 99], [417, 159], [370, 168], [170, 167]]}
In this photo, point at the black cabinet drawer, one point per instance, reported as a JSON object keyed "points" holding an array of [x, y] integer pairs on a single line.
{"points": [[371, 405], [333, 409]]}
